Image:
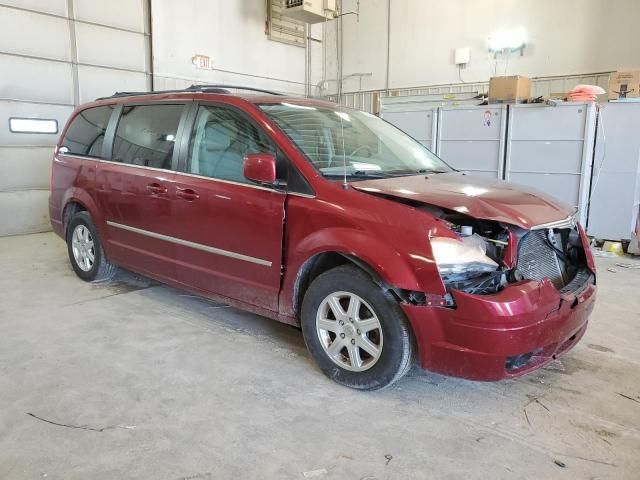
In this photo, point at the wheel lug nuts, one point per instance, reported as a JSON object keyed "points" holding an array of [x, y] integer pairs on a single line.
{"points": [[342, 335], [353, 341], [358, 332], [341, 322]]}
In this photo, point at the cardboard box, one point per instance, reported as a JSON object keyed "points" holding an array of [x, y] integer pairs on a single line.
{"points": [[515, 89], [624, 84], [375, 103]]}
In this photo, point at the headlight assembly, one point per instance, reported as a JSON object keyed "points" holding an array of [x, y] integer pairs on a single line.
{"points": [[467, 255]]}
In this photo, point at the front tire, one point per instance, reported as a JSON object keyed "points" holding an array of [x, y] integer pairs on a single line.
{"points": [[356, 331], [85, 250]]}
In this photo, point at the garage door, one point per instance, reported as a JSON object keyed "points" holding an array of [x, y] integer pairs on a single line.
{"points": [[54, 55]]}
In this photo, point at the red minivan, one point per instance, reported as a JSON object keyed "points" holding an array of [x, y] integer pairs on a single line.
{"points": [[326, 218]]}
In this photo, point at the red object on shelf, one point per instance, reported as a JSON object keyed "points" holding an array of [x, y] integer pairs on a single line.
{"points": [[585, 93]]}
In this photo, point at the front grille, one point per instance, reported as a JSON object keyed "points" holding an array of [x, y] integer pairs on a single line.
{"points": [[537, 259]]}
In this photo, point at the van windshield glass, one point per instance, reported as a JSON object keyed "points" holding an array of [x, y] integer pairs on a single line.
{"points": [[370, 147]]}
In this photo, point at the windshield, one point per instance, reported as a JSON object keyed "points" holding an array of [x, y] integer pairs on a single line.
{"points": [[370, 147]]}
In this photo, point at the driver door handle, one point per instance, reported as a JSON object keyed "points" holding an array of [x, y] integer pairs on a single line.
{"points": [[156, 188]]}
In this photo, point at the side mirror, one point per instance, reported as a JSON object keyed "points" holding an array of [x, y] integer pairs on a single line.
{"points": [[260, 168]]}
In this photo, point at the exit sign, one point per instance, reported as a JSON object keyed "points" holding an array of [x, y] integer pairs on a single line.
{"points": [[202, 61]]}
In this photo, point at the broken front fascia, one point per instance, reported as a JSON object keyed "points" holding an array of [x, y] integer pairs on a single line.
{"points": [[497, 255]]}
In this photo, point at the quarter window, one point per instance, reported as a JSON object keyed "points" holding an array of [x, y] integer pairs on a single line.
{"points": [[146, 135], [85, 135], [221, 138]]}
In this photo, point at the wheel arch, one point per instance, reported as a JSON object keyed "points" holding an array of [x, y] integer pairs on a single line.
{"points": [[78, 200], [69, 210], [324, 261], [329, 247]]}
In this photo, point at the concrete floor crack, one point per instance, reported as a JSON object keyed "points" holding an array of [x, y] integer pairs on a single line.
{"points": [[81, 427], [82, 302]]}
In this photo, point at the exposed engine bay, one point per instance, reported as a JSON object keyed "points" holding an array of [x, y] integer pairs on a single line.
{"points": [[553, 253]]}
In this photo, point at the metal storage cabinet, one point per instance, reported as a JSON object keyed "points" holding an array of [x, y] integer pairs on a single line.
{"points": [[472, 138], [414, 117], [551, 148], [615, 189]]}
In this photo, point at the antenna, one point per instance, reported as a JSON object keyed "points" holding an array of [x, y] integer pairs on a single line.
{"points": [[341, 115], [345, 185]]}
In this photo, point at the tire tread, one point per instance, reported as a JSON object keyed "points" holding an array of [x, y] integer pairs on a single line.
{"points": [[406, 337], [105, 270]]}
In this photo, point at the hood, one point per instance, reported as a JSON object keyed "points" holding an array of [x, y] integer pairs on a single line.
{"points": [[479, 197]]}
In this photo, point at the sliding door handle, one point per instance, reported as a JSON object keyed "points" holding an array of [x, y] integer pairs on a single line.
{"points": [[187, 194]]}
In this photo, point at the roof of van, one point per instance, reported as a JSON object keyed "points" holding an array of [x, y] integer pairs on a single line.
{"points": [[202, 92]]}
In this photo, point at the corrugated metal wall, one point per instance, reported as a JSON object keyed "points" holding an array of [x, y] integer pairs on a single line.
{"points": [[55, 54]]}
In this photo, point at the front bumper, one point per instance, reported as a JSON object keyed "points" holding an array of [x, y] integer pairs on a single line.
{"points": [[491, 337]]}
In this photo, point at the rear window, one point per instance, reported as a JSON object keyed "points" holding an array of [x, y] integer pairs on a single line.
{"points": [[146, 135], [85, 135]]}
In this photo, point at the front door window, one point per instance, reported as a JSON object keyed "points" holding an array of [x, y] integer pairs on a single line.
{"points": [[221, 139]]}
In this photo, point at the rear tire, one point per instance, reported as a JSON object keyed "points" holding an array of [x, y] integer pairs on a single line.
{"points": [[85, 250], [355, 330]]}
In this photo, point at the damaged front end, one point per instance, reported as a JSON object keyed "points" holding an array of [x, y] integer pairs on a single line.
{"points": [[483, 257], [519, 298]]}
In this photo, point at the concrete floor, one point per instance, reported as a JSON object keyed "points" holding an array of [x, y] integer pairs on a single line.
{"points": [[170, 386]]}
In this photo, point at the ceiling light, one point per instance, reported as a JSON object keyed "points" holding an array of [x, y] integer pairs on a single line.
{"points": [[507, 40]]}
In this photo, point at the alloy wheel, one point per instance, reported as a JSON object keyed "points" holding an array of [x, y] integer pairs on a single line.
{"points": [[349, 331], [83, 248]]}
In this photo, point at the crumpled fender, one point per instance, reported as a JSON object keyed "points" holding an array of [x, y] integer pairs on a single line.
{"points": [[587, 248], [416, 271], [392, 267]]}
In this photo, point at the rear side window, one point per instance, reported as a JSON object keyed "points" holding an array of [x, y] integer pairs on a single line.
{"points": [[146, 135], [85, 135]]}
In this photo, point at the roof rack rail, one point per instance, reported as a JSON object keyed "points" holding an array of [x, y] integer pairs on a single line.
{"points": [[135, 94], [223, 89]]}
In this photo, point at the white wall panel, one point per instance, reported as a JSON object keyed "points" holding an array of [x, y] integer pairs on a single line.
{"points": [[232, 35], [38, 67], [101, 82], [35, 80], [25, 168], [109, 47], [118, 13], [25, 211], [57, 7], [564, 37], [30, 110], [51, 40], [316, 56]]}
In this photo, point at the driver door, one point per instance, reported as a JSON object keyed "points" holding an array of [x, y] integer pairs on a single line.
{"points": [[231, 228]]}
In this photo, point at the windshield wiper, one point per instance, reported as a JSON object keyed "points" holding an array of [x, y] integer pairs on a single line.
{"points": [[408, 173], [429, 170], [357, 174]]}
